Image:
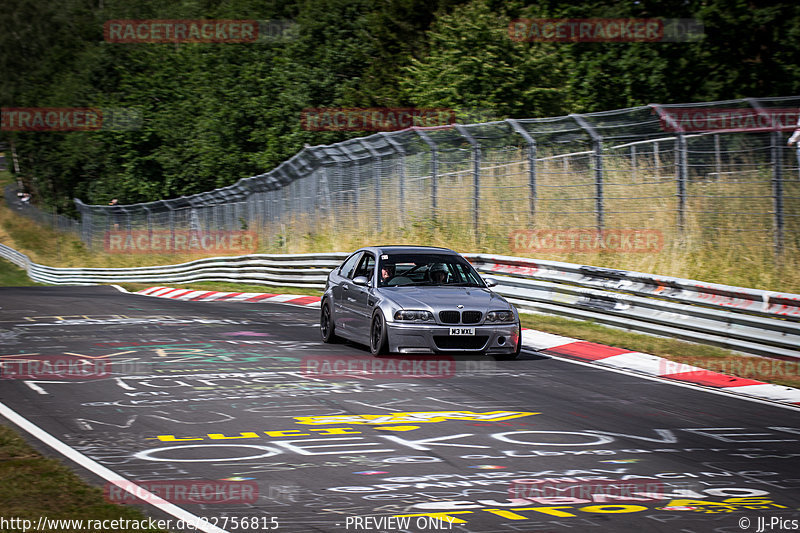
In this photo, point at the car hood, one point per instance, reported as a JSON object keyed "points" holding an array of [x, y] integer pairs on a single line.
{"points": [[438, 298]]}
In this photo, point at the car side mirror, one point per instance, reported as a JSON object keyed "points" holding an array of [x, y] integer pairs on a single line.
{"points": [[490, 282], [361, 280]]}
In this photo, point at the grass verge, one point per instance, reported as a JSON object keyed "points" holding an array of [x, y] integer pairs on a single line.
{"points": [[34, 486], [13, 276]]}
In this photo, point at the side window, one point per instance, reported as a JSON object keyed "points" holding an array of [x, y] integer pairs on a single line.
{"points": [[468, 276], [366, 266], [463, 274], [349, 265]]}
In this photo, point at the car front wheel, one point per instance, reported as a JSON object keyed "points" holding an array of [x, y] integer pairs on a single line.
{"points": [[378, 337], [326, 327]]}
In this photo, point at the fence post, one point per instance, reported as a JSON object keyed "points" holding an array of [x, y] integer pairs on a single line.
{"points": [[304, 189], [356, 180], [269, 204], [682, 160], [776, 153], [717, 156], [14, 158], [531, 142], [376, 176], [597, 146], [343, 196], [148, 217], [86, 222], [254, 208], [269, 209], [402, 181], [777, 190], [325, 191], [656, 159], [476, 177], [256, 211], [242, 214], [434, 169], [88, 226], [278, 200], [316, 182]]}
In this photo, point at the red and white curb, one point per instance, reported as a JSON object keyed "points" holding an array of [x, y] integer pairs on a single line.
{"points": [[547, 343], [214, 296], [656, 366]]}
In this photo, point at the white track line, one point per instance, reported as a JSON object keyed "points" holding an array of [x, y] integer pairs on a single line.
{"points": [[105, 473]]}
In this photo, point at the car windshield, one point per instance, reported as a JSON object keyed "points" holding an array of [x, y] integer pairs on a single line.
{"points": [[403, 270]]}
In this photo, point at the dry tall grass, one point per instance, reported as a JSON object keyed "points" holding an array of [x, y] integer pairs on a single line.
{"points": [[727, 235]]}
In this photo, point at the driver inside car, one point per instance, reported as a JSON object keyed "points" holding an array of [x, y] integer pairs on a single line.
{"points": [[438, 274], [387, 272]]}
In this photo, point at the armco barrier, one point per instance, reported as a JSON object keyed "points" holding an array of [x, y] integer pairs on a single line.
{"points": [[297, 270], [746, 320]]}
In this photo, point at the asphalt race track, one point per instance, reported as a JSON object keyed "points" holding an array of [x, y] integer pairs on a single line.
{"points": [[294, 435]]}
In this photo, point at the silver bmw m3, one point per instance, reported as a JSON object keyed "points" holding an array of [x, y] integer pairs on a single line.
{"points": [[414, 299]]}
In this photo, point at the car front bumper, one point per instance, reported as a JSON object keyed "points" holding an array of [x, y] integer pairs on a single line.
{"points": [[436, 338]]}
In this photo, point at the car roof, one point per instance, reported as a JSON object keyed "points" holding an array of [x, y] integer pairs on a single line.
{"points": [[393, 249]]}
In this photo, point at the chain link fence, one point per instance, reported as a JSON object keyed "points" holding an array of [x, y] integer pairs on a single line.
{"points": [[641, 168], [16, 201]]}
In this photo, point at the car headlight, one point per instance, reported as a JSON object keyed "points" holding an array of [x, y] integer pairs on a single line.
{"points": [[499, 316], [414, 316]]}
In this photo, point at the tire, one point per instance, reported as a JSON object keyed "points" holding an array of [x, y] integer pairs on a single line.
{"points": [[378, 336], [326, 326]]}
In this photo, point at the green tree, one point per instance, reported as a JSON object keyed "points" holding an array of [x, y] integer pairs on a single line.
{"points": [[471, 62]]}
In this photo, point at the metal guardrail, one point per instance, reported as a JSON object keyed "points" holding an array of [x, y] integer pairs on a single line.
{"points": [[297, 270], [746, 320], [19, 259]]}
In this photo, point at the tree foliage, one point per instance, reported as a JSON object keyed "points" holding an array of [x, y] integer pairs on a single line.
{"points": [[214, 113]]}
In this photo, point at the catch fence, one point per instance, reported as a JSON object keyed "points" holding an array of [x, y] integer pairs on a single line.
{"points": [[50, 219], [632, 168]]}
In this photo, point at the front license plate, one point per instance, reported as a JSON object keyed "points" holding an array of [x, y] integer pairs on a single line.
{"points": [[462, 331]]}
